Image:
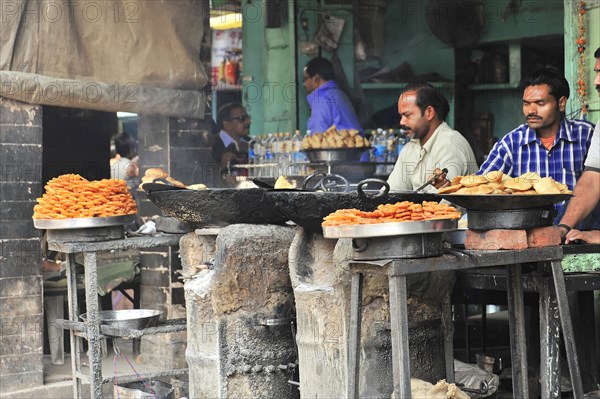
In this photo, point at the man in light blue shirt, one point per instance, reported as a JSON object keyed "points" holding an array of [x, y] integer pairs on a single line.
{"points": [[328, 103]]}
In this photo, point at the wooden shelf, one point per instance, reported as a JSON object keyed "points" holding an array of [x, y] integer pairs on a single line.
{"points": [[399, 86], [493, 86]]}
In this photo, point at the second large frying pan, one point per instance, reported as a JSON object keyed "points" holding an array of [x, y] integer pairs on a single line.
{"points": [[497, 202]]}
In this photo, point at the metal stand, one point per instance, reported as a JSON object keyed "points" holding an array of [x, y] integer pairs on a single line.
{"points": [[397, 269], [91, 329]]}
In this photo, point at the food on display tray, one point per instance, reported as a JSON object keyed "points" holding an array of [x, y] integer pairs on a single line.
{"points": [[72, 196], [160, 176], [197, 186], [333, 138], [283, 183], [496, 182]]}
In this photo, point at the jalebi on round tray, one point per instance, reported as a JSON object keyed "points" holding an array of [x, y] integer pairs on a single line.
{"points": [[71, 196]]}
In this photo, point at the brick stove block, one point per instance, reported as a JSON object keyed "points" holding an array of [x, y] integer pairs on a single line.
{"points": [[543, 237], [492, 240]]}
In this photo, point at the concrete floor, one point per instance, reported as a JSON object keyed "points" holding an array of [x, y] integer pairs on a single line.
{"points": [[57, 378]]}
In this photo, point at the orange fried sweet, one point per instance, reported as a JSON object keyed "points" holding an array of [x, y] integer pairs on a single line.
{"points": [[72, 196], [392, 213]]}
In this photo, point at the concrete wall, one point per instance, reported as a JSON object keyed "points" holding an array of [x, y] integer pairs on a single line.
{"points": [[20, 272]]}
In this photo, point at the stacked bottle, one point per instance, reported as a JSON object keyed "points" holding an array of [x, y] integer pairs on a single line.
{"points": [[277, 154]]}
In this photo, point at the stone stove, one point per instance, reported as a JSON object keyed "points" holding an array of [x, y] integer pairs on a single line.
{"points": [[239, 306]]}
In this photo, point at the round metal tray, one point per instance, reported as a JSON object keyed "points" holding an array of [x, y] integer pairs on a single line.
{"points": [[81, 223], [136, 319], [390, 229], [335, 154]]}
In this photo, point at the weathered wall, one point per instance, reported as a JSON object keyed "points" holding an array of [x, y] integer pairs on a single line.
{"points": [[182, 147], [21, 315], [321, 279]]}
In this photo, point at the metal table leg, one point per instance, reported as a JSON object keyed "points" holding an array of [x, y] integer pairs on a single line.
{"points": [[518, 348], [567, 328], [354, 336], [93, 325], [399, 326], [75, 341], [549, 342], [448, 331]]}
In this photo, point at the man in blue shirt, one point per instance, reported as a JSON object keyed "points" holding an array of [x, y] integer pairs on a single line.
{"points": [[548, 143], [328, 103]]}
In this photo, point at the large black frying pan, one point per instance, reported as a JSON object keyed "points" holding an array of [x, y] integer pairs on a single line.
{"points": [[308, 208], [215, 207], [497, 202]]}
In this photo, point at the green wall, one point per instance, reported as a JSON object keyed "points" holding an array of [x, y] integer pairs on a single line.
{"points": [[408, 39], [533, 21], [534, 18], [571, 56], [269, 84]]}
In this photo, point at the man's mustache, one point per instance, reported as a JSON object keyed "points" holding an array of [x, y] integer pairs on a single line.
{"points": [[404, 127], [533, 117]]}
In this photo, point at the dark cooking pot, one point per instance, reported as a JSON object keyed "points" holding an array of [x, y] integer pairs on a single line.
{"points": [[217, 207], [307, 209]]}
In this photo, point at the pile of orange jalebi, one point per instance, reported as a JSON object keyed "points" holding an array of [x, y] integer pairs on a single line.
{"points": [[72, 196], [404, 211]]}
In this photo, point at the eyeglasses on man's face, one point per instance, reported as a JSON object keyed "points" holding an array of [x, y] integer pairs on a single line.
{"points": [[241, 118]]}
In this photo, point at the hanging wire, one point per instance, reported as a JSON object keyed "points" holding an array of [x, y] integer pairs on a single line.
{"points": [[118, 354]]}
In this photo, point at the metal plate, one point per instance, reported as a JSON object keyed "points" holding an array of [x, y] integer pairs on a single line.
{"points": [[81, 223], [390, 229], [335, 154], [135, 319], [495, 202]]}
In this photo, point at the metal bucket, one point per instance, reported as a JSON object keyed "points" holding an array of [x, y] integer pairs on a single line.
{"points": [[485, 363]]}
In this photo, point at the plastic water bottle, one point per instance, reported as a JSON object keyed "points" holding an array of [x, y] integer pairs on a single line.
{"points": [[379, 149], [391, 155], [269, 154], [401, 141], [297, 155], [287, 143], [251, 152]]}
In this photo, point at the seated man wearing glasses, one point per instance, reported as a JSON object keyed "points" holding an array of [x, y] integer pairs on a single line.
{"points": [[231, 146]]}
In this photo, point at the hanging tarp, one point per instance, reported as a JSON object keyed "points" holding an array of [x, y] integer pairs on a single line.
{"points": [[128, 55]]}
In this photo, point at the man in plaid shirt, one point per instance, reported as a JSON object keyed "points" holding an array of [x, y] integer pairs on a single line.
{"points": [[549, 143]]}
